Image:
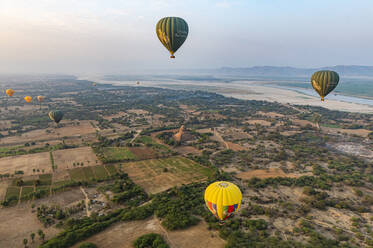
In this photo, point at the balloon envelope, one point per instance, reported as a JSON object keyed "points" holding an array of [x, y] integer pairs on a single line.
{"points": [[28, 98], [40, 98], [172, 32], [223, 199], [9, 92], [56, 116], [324, 82]]}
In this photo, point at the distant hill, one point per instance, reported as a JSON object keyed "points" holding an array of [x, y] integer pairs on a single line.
{"points": [[343, 70]]}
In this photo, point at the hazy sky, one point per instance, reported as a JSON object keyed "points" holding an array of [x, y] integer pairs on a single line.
{"points": [[111, 36]]}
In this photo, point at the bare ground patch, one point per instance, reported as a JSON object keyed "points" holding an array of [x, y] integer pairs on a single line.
{"points": [[17, 223], [123, 234], [271, 172], [64, 159], [26, 163]]}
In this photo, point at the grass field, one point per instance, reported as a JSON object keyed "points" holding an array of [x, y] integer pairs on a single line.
{"points": [[88, 173], [12, 194], [111, 168], [157, 175], [117, 154], [26, 191], [77, 174], [100, 172], [45, 179]]}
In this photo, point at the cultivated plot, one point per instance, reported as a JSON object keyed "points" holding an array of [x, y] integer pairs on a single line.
{"points": [[157, 175]]}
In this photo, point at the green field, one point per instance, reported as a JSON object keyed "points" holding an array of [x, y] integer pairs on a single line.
{"points": [[117, 154], [111, 168], [12, 194], [45, 179], [77, 175], [147, 140], [88, 173], [100, 172], [26, 191]]}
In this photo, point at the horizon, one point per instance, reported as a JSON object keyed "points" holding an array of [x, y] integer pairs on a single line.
{"points": [[77, 37]]}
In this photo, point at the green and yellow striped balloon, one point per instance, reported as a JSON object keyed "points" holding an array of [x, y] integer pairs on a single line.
{"points": [[56, 116], [324, 82], [172, 32]]}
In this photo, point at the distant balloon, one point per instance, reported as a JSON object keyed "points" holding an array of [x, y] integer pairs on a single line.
{"points": [[172, 32], [28, 98], [324, 82], [223, 199], [94, 84], [56, 116], [9, 92], [137, 82], [40, 98]]}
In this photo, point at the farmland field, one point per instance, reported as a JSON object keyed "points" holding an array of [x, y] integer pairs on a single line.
{"points": [[26, 191], [26, 163], [100, 172], [111, 169], [66, 159], [123, 234], [116, 154], [157, 175], [12, 194]]}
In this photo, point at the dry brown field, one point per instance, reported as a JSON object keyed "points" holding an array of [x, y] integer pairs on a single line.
{"points": [[55, 133], [26, 163], [187, 149], [235, 147], [360, 132], [270, 114], [64, 159], [110, 117], [17, 223], [271, 172], [123, 234], [143, 152], [260, 122]]}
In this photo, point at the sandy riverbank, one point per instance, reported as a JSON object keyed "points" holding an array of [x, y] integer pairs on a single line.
{"points": [[249, 90]]}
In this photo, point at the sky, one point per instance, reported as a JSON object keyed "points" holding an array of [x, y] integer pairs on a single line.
{"points": [[115, 36]]}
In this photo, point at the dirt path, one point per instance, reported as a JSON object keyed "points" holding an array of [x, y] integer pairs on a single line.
{"points": [[86, 200], [136, 135], [220, 139], [108, 172], [19, 196]]}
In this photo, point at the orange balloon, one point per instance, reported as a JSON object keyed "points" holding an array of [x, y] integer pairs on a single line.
{"points": [[9, 92], [28, 98], [40, 98]]}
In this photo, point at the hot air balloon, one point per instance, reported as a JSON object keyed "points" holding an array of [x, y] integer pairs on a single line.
{"points": [[94, 84], [137, 82], [172, 32], [9, 92], [56, 116], [40, 98], [223, 199], [324, 82], [28, 98]]}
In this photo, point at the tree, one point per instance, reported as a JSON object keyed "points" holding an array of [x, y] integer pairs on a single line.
{"points": [[41, 234], [25, 242], [32, 235]]}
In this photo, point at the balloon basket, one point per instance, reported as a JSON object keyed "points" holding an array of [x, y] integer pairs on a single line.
{"points": [[172, 56]]}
